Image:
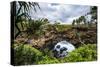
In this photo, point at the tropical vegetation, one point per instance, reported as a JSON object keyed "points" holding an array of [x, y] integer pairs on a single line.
{"points": [[34, 39]]}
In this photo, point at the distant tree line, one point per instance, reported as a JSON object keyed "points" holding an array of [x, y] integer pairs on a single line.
{"points": [[87, 19]]}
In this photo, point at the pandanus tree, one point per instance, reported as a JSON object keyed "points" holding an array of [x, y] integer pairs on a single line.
{"points": [[20, 9], [77, 22], [82, 19], [36, 27]]}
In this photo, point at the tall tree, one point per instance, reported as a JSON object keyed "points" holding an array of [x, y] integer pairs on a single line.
{"points": [[78, 22], [73, 23], [83, 19]]}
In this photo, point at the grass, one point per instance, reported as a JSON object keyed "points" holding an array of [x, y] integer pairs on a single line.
{"points": [[61, 28]]}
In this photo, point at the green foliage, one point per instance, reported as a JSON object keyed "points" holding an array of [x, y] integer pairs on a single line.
{"points": [[58, 27], [25, 54], [73, 23], [83, 53], [61, 28], [48, 60], [20, 12], [36, 26], [93, 11]]}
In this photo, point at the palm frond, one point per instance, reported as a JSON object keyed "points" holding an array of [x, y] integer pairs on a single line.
{"points": [[22, 11]]}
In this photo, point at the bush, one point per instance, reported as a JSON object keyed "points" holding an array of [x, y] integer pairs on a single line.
{"points": [[83, 53], [35, 27], [48, 57], [48, 60], [25, 54]]}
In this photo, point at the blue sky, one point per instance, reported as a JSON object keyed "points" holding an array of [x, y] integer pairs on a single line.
{"points": [[60, 12]]}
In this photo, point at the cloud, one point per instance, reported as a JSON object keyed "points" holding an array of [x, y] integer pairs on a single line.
{"points": [[60, 12]]}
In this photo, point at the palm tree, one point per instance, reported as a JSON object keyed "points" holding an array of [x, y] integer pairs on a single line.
{"points": [[77, 22], [73, 23], [84, 20], [21, 9]]}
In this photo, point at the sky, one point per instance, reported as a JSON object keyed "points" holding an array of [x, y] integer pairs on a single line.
{"points": [[62, 13]]}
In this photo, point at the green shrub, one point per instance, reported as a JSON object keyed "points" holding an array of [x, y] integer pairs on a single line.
{"points": [[35, 27], [25, 54], [83, 53], [48, 60]]}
